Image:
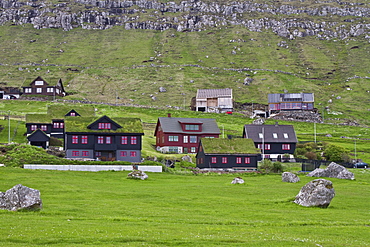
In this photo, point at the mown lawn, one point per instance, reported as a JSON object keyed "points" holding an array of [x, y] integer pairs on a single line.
{"points": [[106, 209]]}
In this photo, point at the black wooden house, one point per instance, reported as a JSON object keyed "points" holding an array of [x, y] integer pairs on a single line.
{"points": [[275, 141], [237, 153]]}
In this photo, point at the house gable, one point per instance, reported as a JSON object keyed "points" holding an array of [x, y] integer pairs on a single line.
{"points": [[39, 136], [72, 113], [104, 123]]}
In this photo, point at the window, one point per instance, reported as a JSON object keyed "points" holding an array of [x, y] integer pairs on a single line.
{"points": [[33, 127], [108, 140], [173, 149], [133, 140], [247, 160], [123, 153], [44, 127], [186, 139], [75, 153], [85, 153], [286, 135], [238, 160], [84, 139], [224, 160], [97, 154], [191, 127], [49, 89], [28, 90], [72, 114], [133, 154], [193, 139], [260, 135], [260, 146], [100, 139], [214, 160], [56, 125], [192, 150], [275, 135], [173, 138], [39, 90], [286, 147], [39, 83], [123, 139], [61, 125], [267, 146], [74, 139], [105, 126]]}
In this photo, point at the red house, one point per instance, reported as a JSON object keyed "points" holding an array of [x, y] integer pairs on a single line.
{"points": [[182, 135]]}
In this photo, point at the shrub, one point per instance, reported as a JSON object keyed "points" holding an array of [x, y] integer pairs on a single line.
{"points": [[267, 166], [336, 153]]}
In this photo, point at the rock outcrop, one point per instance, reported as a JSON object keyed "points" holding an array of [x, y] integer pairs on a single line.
{"points": [[137, 174], [20, 197], [194, 15], [317, 193]]}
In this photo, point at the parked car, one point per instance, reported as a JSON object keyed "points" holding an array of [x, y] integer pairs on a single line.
{"points": [[361, 165]]}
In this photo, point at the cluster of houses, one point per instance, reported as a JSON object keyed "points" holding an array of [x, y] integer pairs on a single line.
{"points": [[86, 136]]}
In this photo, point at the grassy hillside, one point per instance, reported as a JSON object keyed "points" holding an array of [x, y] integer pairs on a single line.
{"points": [[129, 66], [106, 209]]}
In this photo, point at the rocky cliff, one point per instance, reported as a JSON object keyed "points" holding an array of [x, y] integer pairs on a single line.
{"points": [[290, 19]]}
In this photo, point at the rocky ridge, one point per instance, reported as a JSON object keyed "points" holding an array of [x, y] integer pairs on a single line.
{"points": [[332, 20]]}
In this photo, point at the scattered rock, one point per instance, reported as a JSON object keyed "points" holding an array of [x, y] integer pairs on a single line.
{"points": [[187, 158], [248, 80], [259, 121], [137, 174], [332, 171], [317, 193], [237, 180], [289, 177], [20, 197], [162, 90]]}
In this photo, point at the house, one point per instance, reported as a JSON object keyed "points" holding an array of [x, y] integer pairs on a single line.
{"points": [[40, 87], [103, 138], [214, 100], [182, 135], [41, 127], [275, 141], [237, 153], [290, 101], [10, 93]]}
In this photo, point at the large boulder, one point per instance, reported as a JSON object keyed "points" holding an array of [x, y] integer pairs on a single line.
{"points": [[333, 171], [317, 193], [289, 177], [20, 197], [137, 174]]}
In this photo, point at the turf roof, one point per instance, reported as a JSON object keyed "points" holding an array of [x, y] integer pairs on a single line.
{"points": [[79, 124], [62, 110], [229, 146]]}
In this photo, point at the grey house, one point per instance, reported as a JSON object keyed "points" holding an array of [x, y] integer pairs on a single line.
{"points": [[214, 100], [291, 101]]}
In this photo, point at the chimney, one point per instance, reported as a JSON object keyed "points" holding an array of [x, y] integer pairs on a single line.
{"points": [[168, 114]]}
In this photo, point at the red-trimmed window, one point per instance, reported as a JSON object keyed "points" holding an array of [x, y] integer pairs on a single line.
{"points": [[133, 140], [84, 139], [123, 153], [72, 114], [75, 153], [100, 139], [214, 160], [56, 125], [61, 125], [238, 160], [247, 160], [74, 139], [44, 127], [286, 147], [267, 146], [97, 154], [224, 160], [133, 153], [33, 127], [106, 126], [124, 140], [85, 153], [108, 140]]}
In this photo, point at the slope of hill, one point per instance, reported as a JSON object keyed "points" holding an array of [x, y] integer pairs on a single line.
{"points": [[295, 46]]}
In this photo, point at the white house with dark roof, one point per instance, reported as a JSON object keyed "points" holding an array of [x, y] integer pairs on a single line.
{"points": [[182, 135], [275, 141], [214, 100]]}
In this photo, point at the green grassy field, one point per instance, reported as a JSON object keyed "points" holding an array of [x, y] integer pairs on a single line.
{"points": [[106, 209]]}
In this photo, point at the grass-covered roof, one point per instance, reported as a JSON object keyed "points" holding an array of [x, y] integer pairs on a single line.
{"points": [[58, 111], [229, 146], [79, 124]]}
